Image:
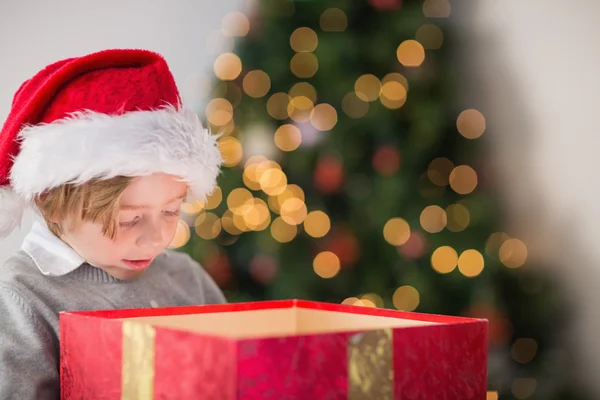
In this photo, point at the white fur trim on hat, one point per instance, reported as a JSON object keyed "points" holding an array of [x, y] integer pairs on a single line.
{"points": [[89, 145], [11, 211]]}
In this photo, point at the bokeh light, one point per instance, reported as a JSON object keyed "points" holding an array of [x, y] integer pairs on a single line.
{"points": [[323, 117], [333, 20], [444, 259], [317, 224], [227, 66], [513, 253], [287, 137], [470, 263], [207, 225], [304, 39], [256, 83], [436, 8], [326, 264], [430, 36], [367, 87], [433, 219], [396, 231], [354, 106], [182, 235], [235, 24], [304, 65], [231, 151], [410, 53], [282, 231], [470, 123], [463, 179], [458, 217], [406, 298]]}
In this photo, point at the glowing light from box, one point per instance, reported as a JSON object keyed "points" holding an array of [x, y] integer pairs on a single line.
{"points": [[410, 53], [463, 179], [458, 217], [354, 106], [256, 83], [433, 219], [227, 66], [304, 65], [235, 24], [436, 8], [304, 39], [182, 235], [406, 298], [524, 350], [323, 117], [367, 87], [277, 105], [317, 224], [513, 253], [231, 151], [470, 263], [523, 388], [293, 211], [219, 111], [326, 264], [444, 259], [471, 124], [430, 36], [282, 231], [299, 109], [207, 225], [396, 231], [287, 137], [333, 20]]}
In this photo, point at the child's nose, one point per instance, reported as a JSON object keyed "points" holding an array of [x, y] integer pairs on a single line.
{"points": [[152, 235]]}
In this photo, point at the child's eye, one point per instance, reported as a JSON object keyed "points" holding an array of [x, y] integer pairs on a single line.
{"points": [[129, 224], [172, 213]]}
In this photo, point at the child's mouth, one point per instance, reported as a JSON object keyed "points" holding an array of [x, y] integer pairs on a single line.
{"points": [[138, 264]]}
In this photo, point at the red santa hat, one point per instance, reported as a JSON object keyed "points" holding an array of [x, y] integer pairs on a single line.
{"points": [[111, 113]]}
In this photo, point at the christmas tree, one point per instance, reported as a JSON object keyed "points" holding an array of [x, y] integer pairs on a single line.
{"points": [[353, 176]]}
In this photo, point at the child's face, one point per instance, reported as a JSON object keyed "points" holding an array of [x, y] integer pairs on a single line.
{"points": [[149, 212]]}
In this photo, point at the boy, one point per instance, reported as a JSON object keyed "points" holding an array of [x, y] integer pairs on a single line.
{"points": [[101, 146]]}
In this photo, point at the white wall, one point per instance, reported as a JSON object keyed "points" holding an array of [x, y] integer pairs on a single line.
{"points": [[532, 67], [37, 32]]}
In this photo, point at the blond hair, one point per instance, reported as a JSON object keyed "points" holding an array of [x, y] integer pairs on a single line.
{"points": [[95, 201]]}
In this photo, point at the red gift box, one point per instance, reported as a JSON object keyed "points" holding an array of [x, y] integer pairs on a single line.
{"points": [[290, 349]]}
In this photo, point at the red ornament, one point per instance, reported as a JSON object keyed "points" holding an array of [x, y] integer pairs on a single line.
{"points": [[218, 266], [329, 175], [415, 247], [500, 327], [386, 160], [386, 5], [343, 244], [263, 268]]}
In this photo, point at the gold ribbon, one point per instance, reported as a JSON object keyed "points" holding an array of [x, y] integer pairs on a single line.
{"points": [[137, 381], [370, 366]]}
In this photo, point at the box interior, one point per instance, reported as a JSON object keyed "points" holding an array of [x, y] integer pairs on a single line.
{"points": [[277, 322]]}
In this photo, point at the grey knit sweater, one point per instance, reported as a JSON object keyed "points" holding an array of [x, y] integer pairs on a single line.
{"points": [[30, 303]]}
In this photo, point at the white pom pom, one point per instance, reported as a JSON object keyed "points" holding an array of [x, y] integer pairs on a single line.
{"points": [[11, 210]]}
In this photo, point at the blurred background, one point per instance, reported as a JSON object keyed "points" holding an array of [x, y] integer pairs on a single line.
{"points": [[425, 155]]}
